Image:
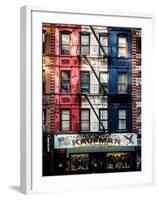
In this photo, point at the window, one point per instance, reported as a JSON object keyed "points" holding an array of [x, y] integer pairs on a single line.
{"points": [[79, 163], [103, 116], [122, 119], [104, 42], [65, 81], [122, 47], [118, 160], [65, 120], [122, 83], [65, 43], [103, 76], [85, 82], [85, 43], [85, 119]]}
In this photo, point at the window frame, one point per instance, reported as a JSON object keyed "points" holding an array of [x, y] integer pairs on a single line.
{"points": [[81, 45], [100, 51], [65, 109], [103, 72], [84, 109], [118, 37], [61, 45], [107, 120], [88, 81], [65, 81], [126, 119], [118, 92]]}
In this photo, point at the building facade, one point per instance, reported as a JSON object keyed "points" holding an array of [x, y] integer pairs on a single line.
{"points": [[90, 99]]}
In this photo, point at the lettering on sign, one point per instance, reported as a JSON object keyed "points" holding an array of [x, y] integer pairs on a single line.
{"points": [[89, 140]]}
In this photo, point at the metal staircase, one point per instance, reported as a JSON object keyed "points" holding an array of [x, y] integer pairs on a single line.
{"points": [[104, 92]]}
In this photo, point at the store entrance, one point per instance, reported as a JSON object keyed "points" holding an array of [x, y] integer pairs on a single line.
{"points": [[97, 162]]}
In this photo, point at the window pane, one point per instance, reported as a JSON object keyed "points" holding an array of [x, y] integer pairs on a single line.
{"points": [[65, 43], [105, 49], [65, 38], [103, 114], [85, 76], [65, 82], [122, 78], [104, 77], [84, 88], [104, 43], [84, 50], [105, 124], [122, 41], [84, 114], [122, 46], [65, 50], [65, 88], [65, 115], [65, 125], [122, 52], [122, 114], [122, 124], [104, 40], [85, 120], [122, 83], [84, 125], [84, 39], [84, 82], [122, 88], [65, 75]]}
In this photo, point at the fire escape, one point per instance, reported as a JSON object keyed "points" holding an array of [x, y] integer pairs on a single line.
{"points": [[103, 90]]}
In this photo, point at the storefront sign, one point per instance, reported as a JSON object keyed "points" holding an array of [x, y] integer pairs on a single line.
{"points": [[90, 140]]}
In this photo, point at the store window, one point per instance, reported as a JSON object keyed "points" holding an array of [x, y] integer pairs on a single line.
{"points": [[122, 46], [118, 160], [79, 163], [65, 43], [122, 119], [85, 82], [85, 119], [103, 115], [104, 42], [122, 83], [65, 81], [103, 76], [65, 119], [85, 43]]}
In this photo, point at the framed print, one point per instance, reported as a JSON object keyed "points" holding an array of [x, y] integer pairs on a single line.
{"points": [[86, 107]]}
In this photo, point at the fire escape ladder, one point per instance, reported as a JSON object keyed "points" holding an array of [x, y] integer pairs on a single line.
{"points": [[85, 95], [100, 45], [100, 84]]}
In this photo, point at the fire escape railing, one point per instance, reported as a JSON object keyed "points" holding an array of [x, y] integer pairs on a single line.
{"points": [[100, 84]]}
